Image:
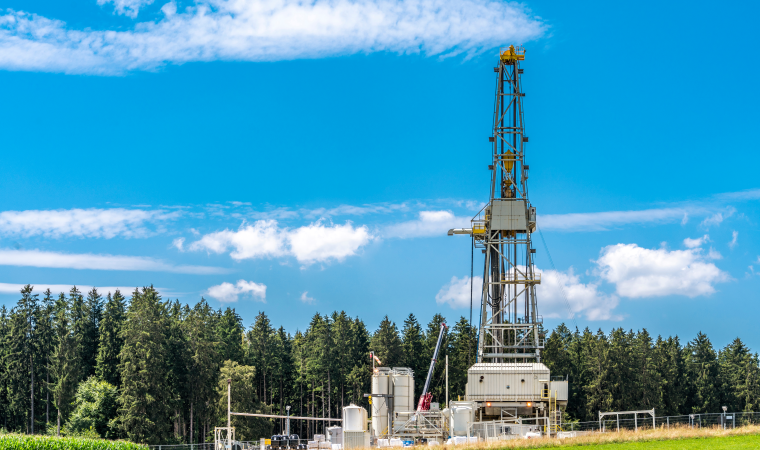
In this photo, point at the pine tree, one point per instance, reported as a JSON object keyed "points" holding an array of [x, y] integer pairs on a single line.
{"points": [[144, 403], [203, 368], [4, 346], [110, 339], [45, 346], [80, 325], [732, 373], [671, 369], [463, 341], [260, 349], [20, 364], [93, 310]]}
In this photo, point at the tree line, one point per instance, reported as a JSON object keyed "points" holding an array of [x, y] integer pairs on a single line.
{"points": [[155, 371]]}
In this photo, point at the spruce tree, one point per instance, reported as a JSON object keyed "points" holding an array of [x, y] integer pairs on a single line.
{"points": [[203, 368], [93, 310], [64, 364], [80, 326], [4, 346], [260, 353], [387, 345], [702, 369], [110, 339], [732, 373], [460, 359], [144, 403], [230, 331], [414, 355]]}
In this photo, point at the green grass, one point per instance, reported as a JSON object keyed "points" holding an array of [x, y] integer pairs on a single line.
{"points": [[711, 443], [23, 442]]}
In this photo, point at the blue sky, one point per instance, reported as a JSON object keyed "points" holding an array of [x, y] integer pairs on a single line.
{"points": [[302, 157]]}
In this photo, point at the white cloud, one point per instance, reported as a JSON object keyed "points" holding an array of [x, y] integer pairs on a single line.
{"points": [[128, 7], [312, 243], [582, 298], [714, 254], [179, 244], [640, 272], [306, 299], [353, 210], [694, 243], [37, 258], [749, 194], [265, 30], [82, 223], [717, 218], [319, 243], [430, 223], [263, 239], [228, 292], [11, 288], [734, 239], [456, 293], [601, 221]]}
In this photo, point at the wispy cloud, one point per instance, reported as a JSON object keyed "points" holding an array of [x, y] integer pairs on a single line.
{"points": [[717, 218], [306, 299], [82, 223], [428, 224], [600, 221], [267, 30], [694, 243], [38, 258], [127, 7], [734, 239]]}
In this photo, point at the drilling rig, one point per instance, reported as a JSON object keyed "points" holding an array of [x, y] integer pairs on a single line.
{"points": [[508, 383]]}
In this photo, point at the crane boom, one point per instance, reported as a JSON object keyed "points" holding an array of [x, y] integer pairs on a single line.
{"points": [[424, 403]]}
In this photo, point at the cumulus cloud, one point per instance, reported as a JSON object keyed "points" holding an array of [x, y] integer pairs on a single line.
{"points": [[316, 242], [456, 293], [582, 299], [38, 258], [127, 7], [429, 223], [228, 292], [560, 294], [640, 272], [306, 299], [263, 239], [81, 223], [694, 243], [266, 30]]}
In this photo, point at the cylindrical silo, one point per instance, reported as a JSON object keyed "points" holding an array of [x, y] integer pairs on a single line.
{"points": [[403, 390], [381, 383]]}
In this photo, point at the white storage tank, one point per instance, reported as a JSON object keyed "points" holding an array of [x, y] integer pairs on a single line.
{"points": [[381, 384], [403, 390], [354, 418]]}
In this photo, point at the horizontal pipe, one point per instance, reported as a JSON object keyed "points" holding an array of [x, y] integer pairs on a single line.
{"points": [[272, 416]]}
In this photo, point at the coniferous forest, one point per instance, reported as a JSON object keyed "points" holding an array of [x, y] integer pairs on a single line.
{"points": [[155, 371]]}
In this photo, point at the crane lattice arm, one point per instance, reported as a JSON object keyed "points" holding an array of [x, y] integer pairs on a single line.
{"points": [[424, 403]]}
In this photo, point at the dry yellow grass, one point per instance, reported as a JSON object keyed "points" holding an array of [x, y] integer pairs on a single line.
{"points": [[660, 434]]}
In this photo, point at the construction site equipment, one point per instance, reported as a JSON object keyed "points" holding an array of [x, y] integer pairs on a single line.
{"points": [[508, 383], [424, 403]]}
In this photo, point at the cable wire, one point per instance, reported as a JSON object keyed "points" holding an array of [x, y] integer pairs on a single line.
{"points": [[559, 282]]}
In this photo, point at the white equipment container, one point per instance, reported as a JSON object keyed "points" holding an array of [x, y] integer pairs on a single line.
{"points": [[355, 439], [462, 415], [335, 434], [354, 418], [515, 382]]}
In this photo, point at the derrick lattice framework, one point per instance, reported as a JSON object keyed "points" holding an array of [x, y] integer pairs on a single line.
{"points": [[510, 328]]}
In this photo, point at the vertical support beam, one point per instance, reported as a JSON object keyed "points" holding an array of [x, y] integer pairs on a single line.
{"points": [[447, 380], [229, 404]]}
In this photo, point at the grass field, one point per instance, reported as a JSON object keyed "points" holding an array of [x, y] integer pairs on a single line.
{"points": [[676, 438]]}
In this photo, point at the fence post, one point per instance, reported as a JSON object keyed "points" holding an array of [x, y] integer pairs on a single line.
{"points": [[635, 422], [668, 418]]}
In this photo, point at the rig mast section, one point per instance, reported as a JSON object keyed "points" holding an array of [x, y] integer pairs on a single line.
{"points": [[510, 325], [425, 397]]}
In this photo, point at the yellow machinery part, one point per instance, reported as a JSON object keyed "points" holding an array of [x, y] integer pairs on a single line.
{"points": [[511, 54]]}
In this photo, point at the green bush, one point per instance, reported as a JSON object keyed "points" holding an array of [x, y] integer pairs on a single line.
{"points": [[24, 442], [94, 408]]}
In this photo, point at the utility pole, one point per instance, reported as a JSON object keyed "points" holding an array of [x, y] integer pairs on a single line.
{"points": [[287, 422], [229, 404], [447, 380]]}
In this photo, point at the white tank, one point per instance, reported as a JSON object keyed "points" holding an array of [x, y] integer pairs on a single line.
{"points": [[354, 418], [403, 390], [462, 415], [381, 381]]}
